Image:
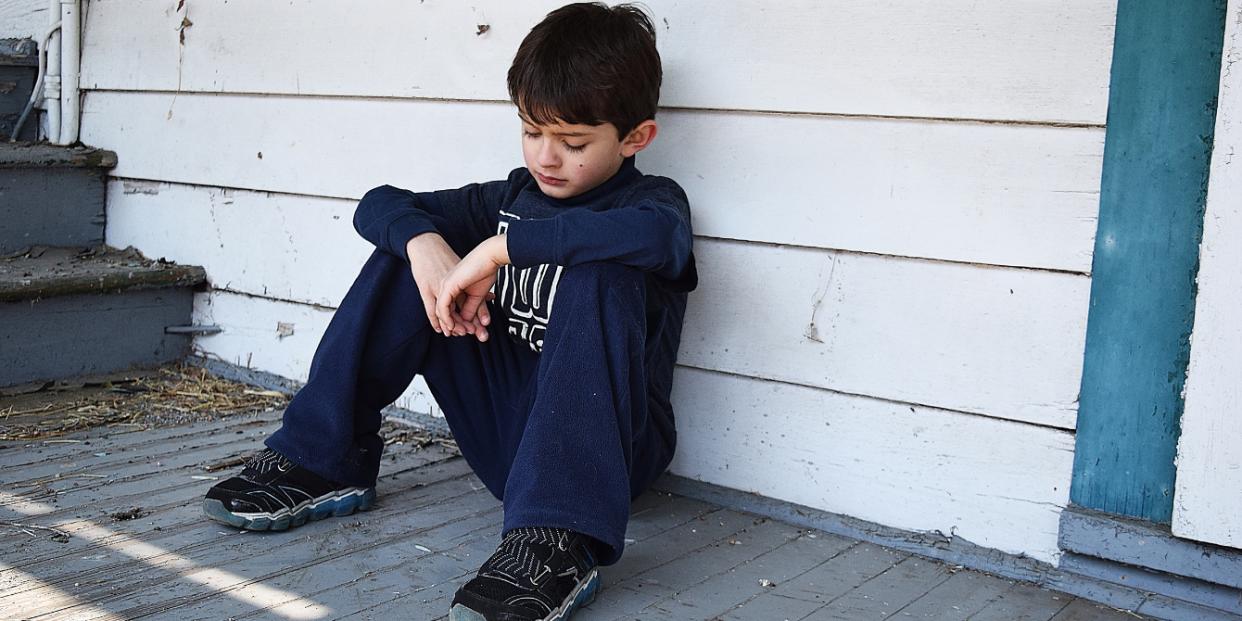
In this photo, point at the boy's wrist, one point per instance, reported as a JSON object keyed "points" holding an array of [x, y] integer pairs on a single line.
{"points": [[419, 241], [500, 249]]}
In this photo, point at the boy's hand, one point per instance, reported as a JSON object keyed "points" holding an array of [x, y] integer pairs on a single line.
{"points": [[431, 260], [466, 288]]}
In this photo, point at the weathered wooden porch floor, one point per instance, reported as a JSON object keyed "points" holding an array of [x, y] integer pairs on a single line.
{"points": [[130, 542]]}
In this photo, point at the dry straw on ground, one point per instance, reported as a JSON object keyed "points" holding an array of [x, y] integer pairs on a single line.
{"points": [[169, 395]]}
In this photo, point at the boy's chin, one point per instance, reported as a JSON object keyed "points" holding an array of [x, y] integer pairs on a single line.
{"points": [[557, 191]]}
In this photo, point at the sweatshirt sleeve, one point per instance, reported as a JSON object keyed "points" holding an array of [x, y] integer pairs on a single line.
{"points": [[650, 232], [389, 217]]}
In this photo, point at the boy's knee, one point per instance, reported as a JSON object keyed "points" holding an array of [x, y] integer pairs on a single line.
{"points": [[609, 287], [602, 275]]}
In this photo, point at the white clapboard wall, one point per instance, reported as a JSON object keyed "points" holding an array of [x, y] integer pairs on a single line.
{"points": [[22, 19], [895, 204], [1207, 505]]}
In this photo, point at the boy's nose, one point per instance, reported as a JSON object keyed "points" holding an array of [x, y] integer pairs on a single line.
{"points": [[548, 157]]}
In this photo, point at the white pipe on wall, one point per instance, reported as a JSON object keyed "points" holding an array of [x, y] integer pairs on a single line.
{"points": [[51, 82], [70, 64]]}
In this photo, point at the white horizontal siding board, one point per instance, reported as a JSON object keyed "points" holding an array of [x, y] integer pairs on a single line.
{"points": [[276, 337], [995, 341], [994, 483], [984, 193], [942, 334], [20, 19], [295, 248], [1033, 60], [323, 147], [1207, 505]]}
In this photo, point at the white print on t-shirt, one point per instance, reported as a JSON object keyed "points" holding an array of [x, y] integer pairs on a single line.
{"points": [[526, 296]]}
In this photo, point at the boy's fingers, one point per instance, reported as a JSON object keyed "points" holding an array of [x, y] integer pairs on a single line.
{"points": [[470, 306], [429, 307], [444, 306], [461, 327]]}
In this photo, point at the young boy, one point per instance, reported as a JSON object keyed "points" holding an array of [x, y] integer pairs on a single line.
{"points": [[549, 346]]}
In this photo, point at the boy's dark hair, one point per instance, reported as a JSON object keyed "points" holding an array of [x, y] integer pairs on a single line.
{"points": [[591, 64]]}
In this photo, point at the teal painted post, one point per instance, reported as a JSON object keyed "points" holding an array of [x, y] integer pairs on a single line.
{"points": [[1158, 144]]}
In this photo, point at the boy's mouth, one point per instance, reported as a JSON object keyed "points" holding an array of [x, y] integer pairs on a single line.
{"points": [[549, 180]]}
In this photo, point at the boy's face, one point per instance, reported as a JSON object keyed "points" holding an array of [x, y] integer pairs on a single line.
{"points": [[569, 159]]}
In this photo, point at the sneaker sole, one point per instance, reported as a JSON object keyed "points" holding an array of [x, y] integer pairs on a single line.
{"points": [[333, 505], [580, 597]]}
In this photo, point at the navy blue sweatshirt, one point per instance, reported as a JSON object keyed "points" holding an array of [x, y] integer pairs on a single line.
{"points": [[638, 220]]}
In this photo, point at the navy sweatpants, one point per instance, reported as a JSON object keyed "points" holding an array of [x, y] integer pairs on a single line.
{"points": [[562, 437]]}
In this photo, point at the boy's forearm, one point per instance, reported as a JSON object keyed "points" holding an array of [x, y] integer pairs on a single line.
{"points": [[495, 247], [500, 248]]}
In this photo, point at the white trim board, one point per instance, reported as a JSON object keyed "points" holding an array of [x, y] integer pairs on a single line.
{"points": [[1207, 505]]}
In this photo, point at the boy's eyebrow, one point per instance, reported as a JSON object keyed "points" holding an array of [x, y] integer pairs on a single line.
{"points": [[536, 125], [568, 134]]}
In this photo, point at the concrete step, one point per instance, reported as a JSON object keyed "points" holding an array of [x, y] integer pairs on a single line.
{"points": [[75, 311], [51, 195]]}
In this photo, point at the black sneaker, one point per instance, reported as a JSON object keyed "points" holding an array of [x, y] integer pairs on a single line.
{"points": [[537, 574], [273, 493]]}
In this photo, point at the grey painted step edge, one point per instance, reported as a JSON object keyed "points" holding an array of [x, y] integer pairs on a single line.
{"points": [[156, 276], [19, 53], [44, 155], [1142, 544]]}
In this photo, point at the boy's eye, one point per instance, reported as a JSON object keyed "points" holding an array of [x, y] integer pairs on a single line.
{"points": [[575, 148], [530, 134]]}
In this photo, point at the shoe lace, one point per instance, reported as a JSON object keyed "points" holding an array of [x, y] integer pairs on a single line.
{"points": [[266, 460], [524, 553]]}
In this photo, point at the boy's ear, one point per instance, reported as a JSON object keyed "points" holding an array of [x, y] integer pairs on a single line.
{"points": [[639, 138]]}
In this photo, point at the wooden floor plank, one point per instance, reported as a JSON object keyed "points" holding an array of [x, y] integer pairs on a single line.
{"points": [[957, 598], [663, 528], [667, 579], [17, 454], [435, 524], [675, 542], [413, 579], [769, 605], [104, 460], [170, 513], [1083, 610], [215, 545], [655, 512], [125, 478], [728, 590], [290, 575], [885, 594], [841, 573], [1024, 602]]}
